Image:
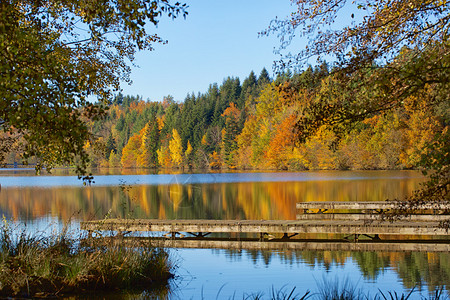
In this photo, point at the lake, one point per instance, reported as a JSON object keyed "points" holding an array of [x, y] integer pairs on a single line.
{"points": [[43, 202]]}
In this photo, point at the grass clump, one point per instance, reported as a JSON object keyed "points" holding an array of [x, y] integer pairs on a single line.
{"points": [[32, 266], [335, 290]]}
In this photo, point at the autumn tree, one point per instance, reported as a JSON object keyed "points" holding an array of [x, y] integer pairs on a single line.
{"points": [[215, 161], [114, 160], [176, 149], [143, 160], [55, 55], [164, 158], [281, 147], [131, 152], [319, 151], [423, 125], [244, 142]]}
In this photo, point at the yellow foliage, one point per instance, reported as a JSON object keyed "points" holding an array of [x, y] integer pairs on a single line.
{"points": [[164, 157], [160, 121], [131, 152], [422, 127], [268, 102], [215, 161], [114, 160], [260, 144], [319, 154], [176, 149], [188, 149], [248, 132]]}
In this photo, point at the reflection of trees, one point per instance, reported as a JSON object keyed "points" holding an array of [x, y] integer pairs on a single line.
{"points": [[371, 264], [418, 269], [245, 200], [414, 268], [324, 258], [210, 201]]}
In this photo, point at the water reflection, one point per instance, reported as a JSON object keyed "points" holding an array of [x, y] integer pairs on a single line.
{"points": [[415, 269], [225, 199], [229, 196]]}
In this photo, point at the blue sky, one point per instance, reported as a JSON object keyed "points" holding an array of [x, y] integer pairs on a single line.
{"points": [[219, 38]]}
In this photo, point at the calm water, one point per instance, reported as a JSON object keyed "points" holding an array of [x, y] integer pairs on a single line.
{"points": [[40, 201]]}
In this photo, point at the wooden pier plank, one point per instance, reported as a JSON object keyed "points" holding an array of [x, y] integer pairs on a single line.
{"points": [[268, 226]]}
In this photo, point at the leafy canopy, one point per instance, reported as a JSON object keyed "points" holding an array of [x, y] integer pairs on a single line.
{"points": [[56, 54], [378, 31]]}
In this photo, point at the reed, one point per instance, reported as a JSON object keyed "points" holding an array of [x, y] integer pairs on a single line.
{"points": [[345, 291], [335, 290], [42, 265]]}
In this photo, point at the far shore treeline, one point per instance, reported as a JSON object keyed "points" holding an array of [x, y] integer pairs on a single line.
{"points": [[253, 124]]}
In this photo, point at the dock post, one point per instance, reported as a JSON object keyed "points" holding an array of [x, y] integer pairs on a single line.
{"points": [[239, 231]]}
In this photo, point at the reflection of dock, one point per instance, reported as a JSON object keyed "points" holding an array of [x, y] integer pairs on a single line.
{"points": [[374, 205], [283, 245]]}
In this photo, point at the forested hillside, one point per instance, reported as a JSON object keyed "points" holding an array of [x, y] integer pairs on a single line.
{"points": [[254, 124]]}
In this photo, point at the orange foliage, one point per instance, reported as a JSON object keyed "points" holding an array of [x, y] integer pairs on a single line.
{"points": [[280, 147], [232, 111]]}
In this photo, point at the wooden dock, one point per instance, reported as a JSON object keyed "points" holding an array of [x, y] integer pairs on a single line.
{"points": [[338, 218], [201, 228]]}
